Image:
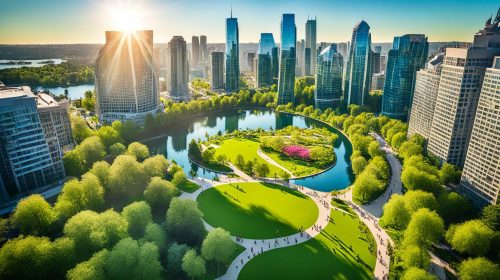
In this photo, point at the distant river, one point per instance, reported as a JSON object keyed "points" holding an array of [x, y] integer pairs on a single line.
{"points": [[34, 63], [75, 92]]}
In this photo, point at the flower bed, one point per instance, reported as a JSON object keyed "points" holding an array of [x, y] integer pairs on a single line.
{"points": [[297, 151]]}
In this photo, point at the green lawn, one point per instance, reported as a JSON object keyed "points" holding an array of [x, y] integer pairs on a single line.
{"points": [[315, 259], [248, 149], [257, 210], [189, 187], [298, 167]]}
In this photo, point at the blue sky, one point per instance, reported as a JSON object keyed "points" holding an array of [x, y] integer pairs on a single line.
{"points": [[84, 21]]}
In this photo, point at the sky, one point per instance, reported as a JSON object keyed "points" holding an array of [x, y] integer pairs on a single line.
{"points": [[84, 21]]}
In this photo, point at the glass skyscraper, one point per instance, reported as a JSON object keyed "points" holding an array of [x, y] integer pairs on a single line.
{"points": [[286, 79], [311, 45], [408, 55], [177, 70], [358, 73], [217, 73], [264, 60], [232, 55], [328, 89]]}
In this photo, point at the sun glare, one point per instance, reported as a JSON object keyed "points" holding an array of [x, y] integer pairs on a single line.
{"points": [[125, 19]]}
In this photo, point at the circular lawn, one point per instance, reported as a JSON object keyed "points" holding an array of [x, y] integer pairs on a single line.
{"points": [[257, 210]]}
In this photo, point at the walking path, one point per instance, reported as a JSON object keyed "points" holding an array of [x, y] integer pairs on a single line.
{"points": [[273, 162]]}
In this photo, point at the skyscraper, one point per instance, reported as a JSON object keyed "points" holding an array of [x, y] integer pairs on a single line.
{"points": [[27, 162], [408, 55], [195, 50], [375, 62], [126, 82], [378, 81], [481, 176], [177, 69], [250, 60], [462, 76], [265, 60], [328, 90], [358, 76], [424, 98], [378, 49], [217, 73], [286, 80], [300, 65], [203, 49], [311, 45], [232, 55]]}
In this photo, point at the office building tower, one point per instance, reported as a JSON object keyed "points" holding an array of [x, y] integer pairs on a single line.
{"points": [[264, 77], [328, 79], [408, 55], [311, 45], [481, 174], [307, 62], [286, 79], [217, 73], [383, 63], [195, 50], [232, 55], [343, 49], [177, 70], [54, 117], [203, 49], [378, 81], [424, 98], [378, 49], [300, 65], [375, 62], [27, 163], [125, 77], [459, 88], [358, 76], [250, 61], [276, 64]]}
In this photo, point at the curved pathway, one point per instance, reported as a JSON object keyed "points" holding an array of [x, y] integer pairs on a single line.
{"points": [[273, 162]]}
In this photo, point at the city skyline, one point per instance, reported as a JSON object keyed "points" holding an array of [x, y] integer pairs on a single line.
{"points": [[85, 20]]}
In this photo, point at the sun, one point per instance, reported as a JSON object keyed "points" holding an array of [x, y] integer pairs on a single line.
{"points": [[125, 19]]}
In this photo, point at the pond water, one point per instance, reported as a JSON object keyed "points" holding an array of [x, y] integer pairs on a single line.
{"points": [[174, 145], [74, 92]]}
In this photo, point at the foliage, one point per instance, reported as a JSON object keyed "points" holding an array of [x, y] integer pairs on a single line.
{"points": [[80, 129], [472, 237], [154, 233], [417, 274], [179, 179], [425, 228], [117, 149], [396, 214], [193, 265], [262, 170], [449, 174], [194, 150], [184, 223], [138, 216], [414, 256], [491, 216], [100, 169], [81, 159], [218, 246], [127, 177], [109, 136], [454, 208], [174, 260], [156, 166], [138, 150], [33, 215], [479, 268], [159, 193]]}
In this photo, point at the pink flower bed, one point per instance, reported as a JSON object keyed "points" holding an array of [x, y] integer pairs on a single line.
{"points": [[297, 152]]}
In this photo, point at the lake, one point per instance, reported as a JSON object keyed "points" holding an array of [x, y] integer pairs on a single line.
{"points": [[34, 63], [74, 92]]}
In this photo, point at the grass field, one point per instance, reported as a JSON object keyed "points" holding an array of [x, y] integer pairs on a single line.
{"points": [[248, 149], [298, 167], [189, 187], [316, 258], [257, 210]]}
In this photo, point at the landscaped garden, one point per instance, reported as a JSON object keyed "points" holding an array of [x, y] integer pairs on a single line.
{"points": [[341, 251], [257, 210]]}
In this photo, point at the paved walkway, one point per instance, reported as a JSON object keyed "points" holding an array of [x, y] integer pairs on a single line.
{"points": [[273, 162]]}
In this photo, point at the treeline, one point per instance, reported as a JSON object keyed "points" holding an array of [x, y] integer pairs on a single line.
{"points": [[66, 73]]}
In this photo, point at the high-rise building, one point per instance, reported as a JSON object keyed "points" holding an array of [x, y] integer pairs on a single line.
{"points": [[232, 55], [125, 77], [378, 49], [286, 79], [424, 98], [358, 76], [265, 58], [328, 78], [307, 62], [462, 76], [300, 65], [217, 73], [375, 62], [408, 55], [378, 81], [481, 174], [27, 162], [195, 50], [250, 61], [311, 45], [177, 70], [54, 117], [203, 49], [383, 63]]}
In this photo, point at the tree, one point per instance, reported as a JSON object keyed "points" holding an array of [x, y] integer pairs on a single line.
{"points": [[92, 231], [184, 223], [262, 170], [117, 149], [174, 260], [414, 256], [92, 269], [367, 187], [491, 216], [218, 246], [155, 234], [417, 199], [479, 268], [138, 215], [179, 179], [454, 208], [358, 164], [159, 193], [221, 159], [398, 139], [138, 150], [88, 101], [33, 215], [248, 168], [409, 149], [208, 154], [425, 228], [101, 170], [449, 174], [193, 265], [91, 150], [239, 161], [194, 150], [472, 237], [156, 166], [127, 176], [417, 274], [73, 163], [395, 214], [79, 129], [417, 179], [87, 194], [374, 149], [109, 136]]}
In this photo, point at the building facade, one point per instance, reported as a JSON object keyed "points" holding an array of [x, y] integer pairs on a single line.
{"points": [[203, 49], [27, 163], [125, 78], [195, 50], [481, 173], [264, 77], [328, 78], [424, 98], [286, 79], [217, 73], [408, 55], [177, 70], [358, 73], [232, 55], [311, 45], [378, 81]]}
